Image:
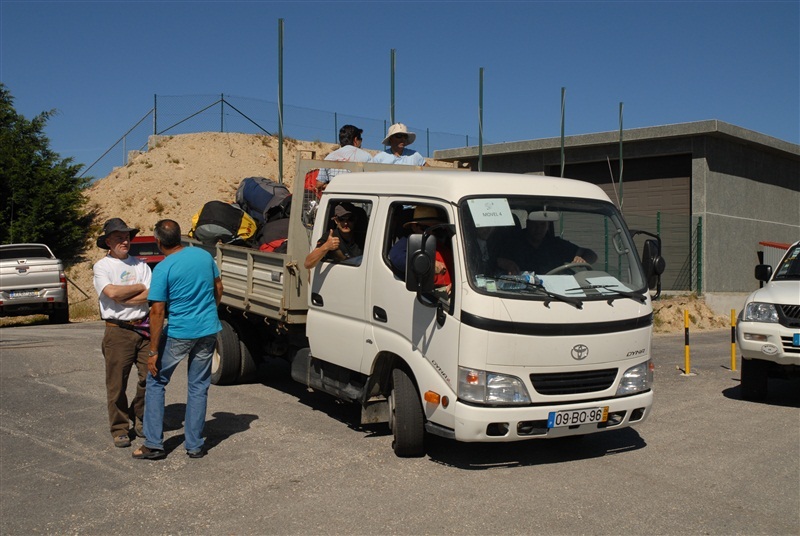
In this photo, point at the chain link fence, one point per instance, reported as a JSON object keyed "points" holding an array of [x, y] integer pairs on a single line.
{"points": [[184, 114]]}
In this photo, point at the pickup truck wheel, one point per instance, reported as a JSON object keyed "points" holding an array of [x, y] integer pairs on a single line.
{"points": [[226, 362], [754, 379], [59, 316], [405, 417]]}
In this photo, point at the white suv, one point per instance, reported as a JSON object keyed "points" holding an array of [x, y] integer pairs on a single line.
{"points": [[768, 329]]}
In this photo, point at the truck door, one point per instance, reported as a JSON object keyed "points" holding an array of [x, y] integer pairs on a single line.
{"points": [[400, 323], [336, 319]]}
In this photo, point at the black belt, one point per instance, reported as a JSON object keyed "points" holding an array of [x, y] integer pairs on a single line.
{"points": [[124, 323]]}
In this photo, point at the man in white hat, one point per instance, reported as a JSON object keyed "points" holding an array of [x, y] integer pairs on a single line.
{"points": [[122, 283], [398, 139]]}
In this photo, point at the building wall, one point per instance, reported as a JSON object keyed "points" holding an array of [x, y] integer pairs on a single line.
{"points": [[744, 196]]}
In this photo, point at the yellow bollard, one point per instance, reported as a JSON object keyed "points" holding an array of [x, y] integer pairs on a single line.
{"points": [[733, 340], [687, 365]]}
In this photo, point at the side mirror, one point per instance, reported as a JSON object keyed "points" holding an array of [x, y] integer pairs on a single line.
{"points": [[652, 262], [763, 272], [420, 263]]}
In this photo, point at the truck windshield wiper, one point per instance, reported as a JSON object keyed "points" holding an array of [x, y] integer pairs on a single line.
{"points": [[641, 298], [538, 287]]}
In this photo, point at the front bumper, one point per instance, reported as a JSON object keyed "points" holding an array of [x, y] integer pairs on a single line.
{"points": [[768, 342], [486, 424]]}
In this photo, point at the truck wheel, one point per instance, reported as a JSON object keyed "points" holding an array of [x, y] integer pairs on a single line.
{"points": [[754, 379], [59, 316], [226, 362], [247, 371], [405, 417]]}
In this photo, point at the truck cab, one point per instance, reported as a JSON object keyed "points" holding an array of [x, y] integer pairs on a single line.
{"points": [[521, 343]]}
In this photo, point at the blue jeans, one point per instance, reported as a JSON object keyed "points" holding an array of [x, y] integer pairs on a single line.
{"points": [[173, 351]]}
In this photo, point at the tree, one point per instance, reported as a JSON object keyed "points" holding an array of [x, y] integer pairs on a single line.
{"points": [[41, 196]]}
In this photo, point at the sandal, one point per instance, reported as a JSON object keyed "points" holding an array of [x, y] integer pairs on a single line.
{"points": [[146, 453]]}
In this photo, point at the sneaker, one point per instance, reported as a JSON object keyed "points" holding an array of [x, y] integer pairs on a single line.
{"points": [[122, 441], [196, 453]]}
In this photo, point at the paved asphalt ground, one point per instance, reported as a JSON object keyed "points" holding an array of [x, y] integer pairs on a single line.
{"points": [[286, 461]]}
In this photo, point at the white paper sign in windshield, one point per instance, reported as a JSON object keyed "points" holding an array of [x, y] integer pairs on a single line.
{"points": [[490, 212]]}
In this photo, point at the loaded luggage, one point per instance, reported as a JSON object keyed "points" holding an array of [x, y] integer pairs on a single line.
{"points": [[260, 197], [222, 222]]}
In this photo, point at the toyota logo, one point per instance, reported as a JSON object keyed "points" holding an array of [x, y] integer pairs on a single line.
{"points": [[580, 352]]}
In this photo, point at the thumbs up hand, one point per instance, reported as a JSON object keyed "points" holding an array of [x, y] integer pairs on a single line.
{"points": [[332, 243]]}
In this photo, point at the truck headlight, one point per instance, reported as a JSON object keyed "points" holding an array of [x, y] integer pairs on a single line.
{"points": [[636, 379], [760, 312], [482, 387]]}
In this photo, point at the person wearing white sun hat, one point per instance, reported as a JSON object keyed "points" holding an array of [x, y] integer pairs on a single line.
{"points": [[398, 139]]}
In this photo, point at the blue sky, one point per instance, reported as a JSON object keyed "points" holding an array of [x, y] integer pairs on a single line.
{"points": [[99, 63]]}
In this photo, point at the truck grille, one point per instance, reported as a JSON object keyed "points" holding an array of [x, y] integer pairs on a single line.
{"points": [[789, 315], [570, 383]]}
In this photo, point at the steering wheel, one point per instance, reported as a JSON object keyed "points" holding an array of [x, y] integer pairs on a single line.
{"points": [[569, 266]]}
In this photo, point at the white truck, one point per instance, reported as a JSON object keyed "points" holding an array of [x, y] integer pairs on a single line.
{"points": [[768, 326], [494, 357], [32, 281]]}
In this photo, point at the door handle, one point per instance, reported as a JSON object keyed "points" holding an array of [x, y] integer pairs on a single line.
{"points": [[316, 299], [379, 315]]}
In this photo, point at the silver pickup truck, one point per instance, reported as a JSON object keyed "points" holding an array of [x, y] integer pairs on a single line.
{"points": [[32, 281]]}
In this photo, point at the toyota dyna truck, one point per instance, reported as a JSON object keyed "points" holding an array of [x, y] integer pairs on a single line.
{"points": [[492, 357]]}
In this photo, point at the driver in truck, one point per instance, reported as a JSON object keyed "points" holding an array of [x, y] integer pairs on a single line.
{"points": [[539, 250]]}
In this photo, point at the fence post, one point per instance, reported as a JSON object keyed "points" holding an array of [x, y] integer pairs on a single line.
{"points": [[221, 112], [428, 141], [335, 127], [155, 114], [700, 256]]}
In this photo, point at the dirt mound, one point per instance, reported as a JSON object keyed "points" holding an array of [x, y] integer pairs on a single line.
{"points": [[668, 314]]}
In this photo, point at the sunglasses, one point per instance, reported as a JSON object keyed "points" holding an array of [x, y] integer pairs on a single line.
{"points": [[400, 136], [344, 219]]}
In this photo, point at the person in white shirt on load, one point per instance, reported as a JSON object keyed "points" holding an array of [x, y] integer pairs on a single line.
{"points": [[350, 151], [398, 139]]}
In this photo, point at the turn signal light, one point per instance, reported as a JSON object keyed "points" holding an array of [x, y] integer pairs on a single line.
{"points": [[432, 397]]}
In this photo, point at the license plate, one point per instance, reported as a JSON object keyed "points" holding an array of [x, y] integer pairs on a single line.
{"points": [[24, 293], [574, 417], [796, 339]]}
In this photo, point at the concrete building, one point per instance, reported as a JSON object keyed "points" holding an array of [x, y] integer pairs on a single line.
{"points": [[713, 190]]}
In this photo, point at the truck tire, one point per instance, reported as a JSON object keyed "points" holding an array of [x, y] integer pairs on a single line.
{"points": [[226, 362], [405, 417], [754, 379], [59, 316], [247, 371]]}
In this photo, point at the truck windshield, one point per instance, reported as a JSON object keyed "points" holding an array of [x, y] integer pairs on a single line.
{"points": [[789, 268], [548, 248]]}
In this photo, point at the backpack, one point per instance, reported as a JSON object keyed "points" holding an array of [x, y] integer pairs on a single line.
{"points": [[273, 234], [281, 210], [258, 196], [222, 222]]}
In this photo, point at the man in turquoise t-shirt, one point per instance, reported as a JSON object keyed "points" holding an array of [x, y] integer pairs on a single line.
{"points": [[187, 283]]}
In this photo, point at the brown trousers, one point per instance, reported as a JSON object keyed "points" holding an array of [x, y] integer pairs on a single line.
{"points": [[123, 348]]}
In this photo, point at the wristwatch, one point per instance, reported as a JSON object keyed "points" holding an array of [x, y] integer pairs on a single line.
{"points": [[151, 353]]}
